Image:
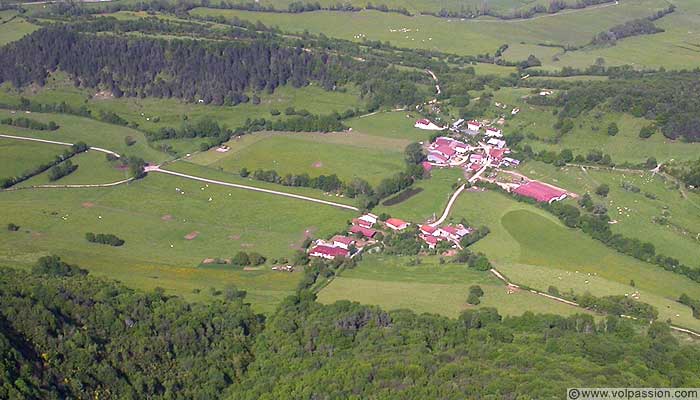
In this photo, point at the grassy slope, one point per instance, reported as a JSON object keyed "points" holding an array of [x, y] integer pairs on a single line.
{"points": [[635, 211], [392, 125], [73, 129], [348, 155], [430, 287], [531, 247], [13, 28], [234, 220], [93, 168], [19, 156], [452, 35]]}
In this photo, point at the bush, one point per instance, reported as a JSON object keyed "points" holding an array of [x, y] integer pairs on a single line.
{"points": [[473, 299], [647, 131], [602, 190], [104, 238], [12, 227], [241, 259], [256, 259], [52, 265], [613, 129], [61, 170]]}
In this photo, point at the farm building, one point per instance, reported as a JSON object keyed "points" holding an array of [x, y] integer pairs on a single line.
{"points": [[476, 158], [369, 218], [361, 230], [427, 125], [458, 123], [396, 224], [445, 150], [497, 154], [474, 125], [540, 192], [426, 166], [436, 157], [362, 223], [455, 232], [497, 143], [431, 241], [328, 252], [343, 242], [494, 132]]}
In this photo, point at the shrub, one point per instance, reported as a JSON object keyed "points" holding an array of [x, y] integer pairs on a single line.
{"points": [[241, 258], [12, 227], [104, 238], [602, 190]]}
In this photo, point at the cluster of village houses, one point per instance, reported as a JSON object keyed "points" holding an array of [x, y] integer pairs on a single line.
{"points": [[445, 151], [364, 229]]}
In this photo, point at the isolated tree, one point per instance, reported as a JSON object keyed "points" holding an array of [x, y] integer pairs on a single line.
{"points": [[241, 258]]}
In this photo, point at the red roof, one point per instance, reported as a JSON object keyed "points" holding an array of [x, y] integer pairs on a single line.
{"points": [[443, 141], [451, 230], [367, 232], [361, 222], [395, 222], [445, 149], [475, 166], [497, 153], [423, 121], [428, 229], [427, 166], [430, 239], [343, 239], [539, 191], [329, 251], [473, 122]]}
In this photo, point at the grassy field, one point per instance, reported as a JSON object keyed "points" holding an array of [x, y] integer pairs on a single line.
{"points": [[349, 155], [525, 240], [93, 168], [154, 219], [13, 27], [152, 113], [73, 129], [189, 168], [19, 156], [635, 213], [392, 125], [431, 288], [483, 35], [432, 200]]}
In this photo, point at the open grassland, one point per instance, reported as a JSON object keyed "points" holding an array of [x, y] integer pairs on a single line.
{"points": [[392, 125], [152, 114], [17, 157], [74, 129], [93, 168], [525, 240], [348, 155], [475, 36], [186, 167], [534, 120], [431, 288], [431, 200], [677, 47], [636, 213], [13, 27], [154, 220]]}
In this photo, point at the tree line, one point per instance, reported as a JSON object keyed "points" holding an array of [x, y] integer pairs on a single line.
{"points": [[56, 170], [29, 123], [104, 238]]}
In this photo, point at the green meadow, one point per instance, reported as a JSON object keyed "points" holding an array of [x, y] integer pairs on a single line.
{"points": [[430, 287], [347, 154], [391, 125], [74, 129], [167, 233], [637, 214], [20, 156], [474, 36], [433, 198], [13, 27], [93, 168], [533, 248]]}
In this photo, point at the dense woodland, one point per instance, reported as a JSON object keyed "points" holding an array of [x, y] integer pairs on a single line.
{"points": [[66, 334]]}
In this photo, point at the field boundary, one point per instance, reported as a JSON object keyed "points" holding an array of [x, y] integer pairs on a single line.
{"points": [[101, 150], [252, 188]]}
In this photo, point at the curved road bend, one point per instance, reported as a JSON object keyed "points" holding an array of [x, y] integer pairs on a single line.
{"points": [[59, 143], [253, 188]]}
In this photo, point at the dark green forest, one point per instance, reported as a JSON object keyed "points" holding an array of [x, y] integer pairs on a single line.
{"points": [[65, 334]]}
